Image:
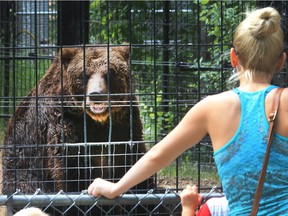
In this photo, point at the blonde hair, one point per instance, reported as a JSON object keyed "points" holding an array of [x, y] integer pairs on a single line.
{"points": [[31, 211], [259, 43]]}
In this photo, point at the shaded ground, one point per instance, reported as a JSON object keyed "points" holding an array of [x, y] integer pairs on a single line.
{"points": [[2, 208], [170, 183]]}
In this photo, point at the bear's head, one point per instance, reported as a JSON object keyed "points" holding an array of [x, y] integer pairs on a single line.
{"points": [[98, 78]]}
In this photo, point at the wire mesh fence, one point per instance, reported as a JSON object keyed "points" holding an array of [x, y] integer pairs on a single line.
{"points": [[151, 203], [90, 86]]}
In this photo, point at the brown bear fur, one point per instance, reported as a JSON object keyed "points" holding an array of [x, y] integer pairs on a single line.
{"points": [[91, 104]]}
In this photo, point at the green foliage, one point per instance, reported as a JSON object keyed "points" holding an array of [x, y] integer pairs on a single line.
{"points": [[157, 117], [23, 76], [221, 19], [2, 130], [111, 22]]}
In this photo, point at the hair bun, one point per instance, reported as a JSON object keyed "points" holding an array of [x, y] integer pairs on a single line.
{"points": [[259, 40], [264, 22], [266, 15]]}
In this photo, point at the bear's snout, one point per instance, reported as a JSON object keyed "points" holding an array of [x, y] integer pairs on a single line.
{"points": [[97, 96], [97, 102]]}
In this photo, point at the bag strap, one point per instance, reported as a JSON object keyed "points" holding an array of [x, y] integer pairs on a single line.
{"points": [[272, 122]]}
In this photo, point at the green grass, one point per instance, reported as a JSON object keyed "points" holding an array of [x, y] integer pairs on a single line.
{"points": [[187, 173], [2, 132]]}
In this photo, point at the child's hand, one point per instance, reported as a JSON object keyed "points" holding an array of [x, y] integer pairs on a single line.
{"points": [[190, 197]]}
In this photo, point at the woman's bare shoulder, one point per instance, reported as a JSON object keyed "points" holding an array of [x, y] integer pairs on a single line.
{"points": [[285, 94], [223, 97], [284, 99]]}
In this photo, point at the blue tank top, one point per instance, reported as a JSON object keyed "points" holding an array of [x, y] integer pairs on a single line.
{"points": [[240, 160]]}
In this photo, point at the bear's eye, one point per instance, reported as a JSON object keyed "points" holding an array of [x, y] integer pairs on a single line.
{"points": [[112, 76], [85, 77], [112, 73]]}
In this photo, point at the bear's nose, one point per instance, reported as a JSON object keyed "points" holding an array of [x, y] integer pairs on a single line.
{"points": [[97, 97]]}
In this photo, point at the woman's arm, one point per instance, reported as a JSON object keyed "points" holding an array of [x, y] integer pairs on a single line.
{"points": [[188, 132]]}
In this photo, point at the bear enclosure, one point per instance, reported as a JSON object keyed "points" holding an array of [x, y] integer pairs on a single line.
{"points": [[151, 62]]}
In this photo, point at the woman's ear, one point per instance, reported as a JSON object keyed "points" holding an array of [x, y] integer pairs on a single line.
{"points": [[233, 57], [281, 61]]}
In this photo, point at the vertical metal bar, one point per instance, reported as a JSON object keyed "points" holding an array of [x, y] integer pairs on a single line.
{"points": [[110, 161], [199, 82], [221, 44], [177, 84], [60, 43], [83, 34], [36, 81], [14, 76], [155, 77], [13, 6], [5, 38], [131, 78], [165, 52]]}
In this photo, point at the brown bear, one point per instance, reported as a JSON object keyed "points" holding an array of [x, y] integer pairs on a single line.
{"points": [[80, 122]]}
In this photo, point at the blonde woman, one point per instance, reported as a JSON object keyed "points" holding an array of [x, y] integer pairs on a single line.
{"points": [[237, 123]]}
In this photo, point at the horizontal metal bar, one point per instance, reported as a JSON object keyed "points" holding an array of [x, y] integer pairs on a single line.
{"points": [[67, 200], [85, 199], [38, 13]]}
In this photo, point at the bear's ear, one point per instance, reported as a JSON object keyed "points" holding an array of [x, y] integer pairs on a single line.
{"points": [[124, 51], [67, 54]]}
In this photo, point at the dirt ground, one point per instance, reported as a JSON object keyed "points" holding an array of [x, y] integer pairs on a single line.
{"points": [[170, 183], [2, 208]]}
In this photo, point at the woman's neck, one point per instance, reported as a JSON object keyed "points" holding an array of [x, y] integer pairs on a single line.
{"points": [[254, 84]]}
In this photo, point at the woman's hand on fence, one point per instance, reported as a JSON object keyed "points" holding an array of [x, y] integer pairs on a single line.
{"points": [[101, 187]]}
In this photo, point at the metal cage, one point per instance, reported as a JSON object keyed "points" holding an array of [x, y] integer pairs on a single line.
{"points": [[178, 54]]}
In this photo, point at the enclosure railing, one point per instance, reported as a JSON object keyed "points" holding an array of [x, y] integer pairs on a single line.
{"points": [[169, 201]]}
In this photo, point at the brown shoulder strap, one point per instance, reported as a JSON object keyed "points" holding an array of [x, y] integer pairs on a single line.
{"points": [[272, 118]]}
